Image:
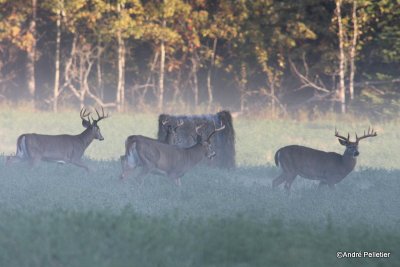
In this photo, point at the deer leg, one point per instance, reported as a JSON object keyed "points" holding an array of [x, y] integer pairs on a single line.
{"points": [[176, 177], [12, 159], [34, 161], [177, 181], [289, 181], [127, 169], [331, 185], [144, 171], [322, 184], [278, 180], [125, 173], [81, 164]]}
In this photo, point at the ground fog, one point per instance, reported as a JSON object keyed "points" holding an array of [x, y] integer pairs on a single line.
{"points": [[59, 215]]}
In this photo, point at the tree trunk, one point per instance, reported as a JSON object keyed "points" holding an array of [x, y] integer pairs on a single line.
{"points": [[353, 50], [176, 85], [149, 79], [243, 85], [209, 88], [57, 63], [161, 79], [30, 66], [271, 81], [98, 68], [195, 80], [121, 74], [273, 100], [342, 88], [81, 79], [121, 68]]}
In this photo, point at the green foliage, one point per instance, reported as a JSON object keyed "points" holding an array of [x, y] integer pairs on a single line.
{"points": [[12, 24], [377, 104], [254, 42]]}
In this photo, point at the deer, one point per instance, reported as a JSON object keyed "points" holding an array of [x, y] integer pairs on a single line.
{"points": [[130, 163], [156, 157], [327, 167], [171, 129], [63, 148]]}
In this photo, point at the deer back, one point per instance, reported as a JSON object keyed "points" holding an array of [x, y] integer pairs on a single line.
{"points": [[155, 155], [52, 147], [312, 163]]}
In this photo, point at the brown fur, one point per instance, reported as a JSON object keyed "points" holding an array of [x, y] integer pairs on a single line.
{"points": [[61, 148], [157, 157], [327, 167]]}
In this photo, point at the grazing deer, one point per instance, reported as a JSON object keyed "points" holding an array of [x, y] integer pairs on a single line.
{"points": [[160, 158], [60, 148], [327, 167]]}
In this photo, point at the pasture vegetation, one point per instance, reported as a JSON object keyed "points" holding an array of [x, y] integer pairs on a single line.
{"points": [[59, 215]]}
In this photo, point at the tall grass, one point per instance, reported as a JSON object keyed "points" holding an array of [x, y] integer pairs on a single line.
{"points": [[257, 139], [59, 215]]}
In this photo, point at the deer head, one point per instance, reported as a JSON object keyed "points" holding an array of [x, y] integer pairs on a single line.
{"points": [[92, 126], [210, 153], [171, 129], [352, 147]]}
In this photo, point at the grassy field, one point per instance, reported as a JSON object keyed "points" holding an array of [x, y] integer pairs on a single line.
{"points": [[59, 215]]}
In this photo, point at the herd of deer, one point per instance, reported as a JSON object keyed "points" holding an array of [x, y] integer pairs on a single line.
{"points": [[157, 157]]}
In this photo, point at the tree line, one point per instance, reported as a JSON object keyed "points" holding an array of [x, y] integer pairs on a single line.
{"points": [[278, 55]]}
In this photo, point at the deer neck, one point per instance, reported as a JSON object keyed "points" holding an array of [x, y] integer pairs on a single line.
{"points": [[349, 161], [195, 154], [86, 137]]}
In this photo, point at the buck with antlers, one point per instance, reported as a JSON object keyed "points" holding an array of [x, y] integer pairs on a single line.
{"points": [[160, 158], [129, 163], [327, 167], [59, 148], [171, 128]]}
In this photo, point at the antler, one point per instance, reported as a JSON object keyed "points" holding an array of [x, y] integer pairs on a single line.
{"points": [[180, 123], [83, 114], [166, 122], [99, 118], [216, 130], [342, 137], [370, 133], [198, 127]]}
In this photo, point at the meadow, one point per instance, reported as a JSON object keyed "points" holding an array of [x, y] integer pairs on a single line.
{"points": [[59, 215]]}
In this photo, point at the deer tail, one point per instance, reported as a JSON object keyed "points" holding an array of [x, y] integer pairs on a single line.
{"points": [[22, 151], [129, 144], [277, 157], [131, 151]]}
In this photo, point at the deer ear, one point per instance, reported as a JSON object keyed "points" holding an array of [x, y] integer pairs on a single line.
{"points": [[342, 142], [85, 123]]}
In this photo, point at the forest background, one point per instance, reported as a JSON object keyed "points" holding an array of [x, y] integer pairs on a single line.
{"points": [[252, 57]]}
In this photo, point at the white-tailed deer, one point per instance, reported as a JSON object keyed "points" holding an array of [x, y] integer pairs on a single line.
{"points": [[327, 167], [170, 129], [160, 158], [60, 148]]}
